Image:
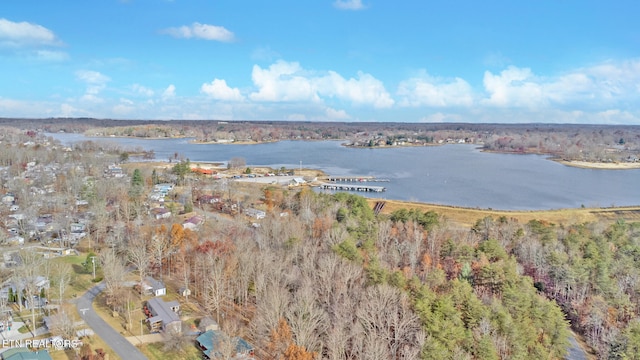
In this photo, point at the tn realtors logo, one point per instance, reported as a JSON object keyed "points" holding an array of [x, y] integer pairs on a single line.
{"points": [[50, 343]]}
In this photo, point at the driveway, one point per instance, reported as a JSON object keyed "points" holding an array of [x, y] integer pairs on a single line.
{"points": [[117, 342]]}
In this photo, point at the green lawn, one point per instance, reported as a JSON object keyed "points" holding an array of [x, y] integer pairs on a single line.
{"points": [[156, 351]]}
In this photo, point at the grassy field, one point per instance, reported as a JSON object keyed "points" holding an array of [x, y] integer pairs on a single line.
{"points": [[468, 216], [155, 351]]}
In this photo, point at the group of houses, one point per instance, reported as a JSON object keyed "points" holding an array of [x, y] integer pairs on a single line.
{"points": [[164, 317]]}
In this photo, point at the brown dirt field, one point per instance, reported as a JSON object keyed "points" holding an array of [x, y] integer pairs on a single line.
{"points": [[468, 216]]}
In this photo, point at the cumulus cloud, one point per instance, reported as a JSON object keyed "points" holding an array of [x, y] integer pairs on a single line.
{"points": [[125, 107], [95, 81], [142, 90], [616, 79], [67, 110], [361, 91], [169, 92], [284, 81], [23, 34], [425, 90], [201, 31], [599, 85], [349, 4], [219, 90], [334, 114]]}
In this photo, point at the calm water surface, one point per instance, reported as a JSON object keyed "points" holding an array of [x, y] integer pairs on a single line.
{"points": [[458, 175]]}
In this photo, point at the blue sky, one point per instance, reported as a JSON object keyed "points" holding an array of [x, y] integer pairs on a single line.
{"points": [[560, 61]]}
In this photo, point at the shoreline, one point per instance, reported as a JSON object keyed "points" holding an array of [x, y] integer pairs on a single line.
{"points": [[572, 163], [599, 165], [466, 216]]}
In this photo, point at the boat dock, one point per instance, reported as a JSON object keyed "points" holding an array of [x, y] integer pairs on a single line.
{"points": [[349, 187], [354, 178]]}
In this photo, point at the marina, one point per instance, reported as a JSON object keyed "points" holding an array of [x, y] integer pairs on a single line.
{"points": [[356, 179], [349, 187]]}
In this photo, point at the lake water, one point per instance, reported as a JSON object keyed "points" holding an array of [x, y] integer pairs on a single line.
{"points": [[459, 175]]}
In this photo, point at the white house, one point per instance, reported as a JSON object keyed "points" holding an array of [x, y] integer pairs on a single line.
{"points": [[153, 286], [255, 213]]}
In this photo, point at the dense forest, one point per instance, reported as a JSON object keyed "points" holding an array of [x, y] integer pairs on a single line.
{"points": [[323, 276]]}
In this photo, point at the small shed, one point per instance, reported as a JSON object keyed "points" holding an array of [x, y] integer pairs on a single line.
{"points": [[184, 291], [207, 323]]}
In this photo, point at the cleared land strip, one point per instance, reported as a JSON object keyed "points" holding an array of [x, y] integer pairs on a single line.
{"points": [[469, 216]]}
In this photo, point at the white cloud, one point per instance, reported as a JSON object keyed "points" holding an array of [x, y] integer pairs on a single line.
{"points": [[615, 79], [284, 81], [169, 92], [511, 88], [297, 117], [441, 117], [92, 77], [219, 90], [22, 34], [334, 114], [264, 53], [425, 90], [95, 81], [361, 91], [615, 116], [123, 109], [48, 55], [349, 4], [601, 85], [67, 110], [14, 106], [201, 31], [142, 90]]}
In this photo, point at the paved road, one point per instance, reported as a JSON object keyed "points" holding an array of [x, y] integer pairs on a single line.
{"points": [[117, 342], [576, 352]]}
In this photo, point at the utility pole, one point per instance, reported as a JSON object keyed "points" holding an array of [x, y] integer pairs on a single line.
{"points": [[93, 260]]}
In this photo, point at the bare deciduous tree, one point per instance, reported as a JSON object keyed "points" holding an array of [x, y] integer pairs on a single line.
{"points": [[139, 256], [113, 270]]}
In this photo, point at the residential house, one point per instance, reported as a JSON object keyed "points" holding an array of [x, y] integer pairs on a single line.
{"points": [[163, 316], [44, 222], [39, 282], [16, 240], [154, 287], [8, 199], [297, 181], [78, 228], [216, 344], [114, 171], [255, 213], [208, 199], [23, 353], [163, 188], [192, 223], [161, 213], [36, 303]]}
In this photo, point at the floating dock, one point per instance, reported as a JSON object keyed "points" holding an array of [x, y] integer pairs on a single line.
{"points": [[349, 187], [354, 178]]}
